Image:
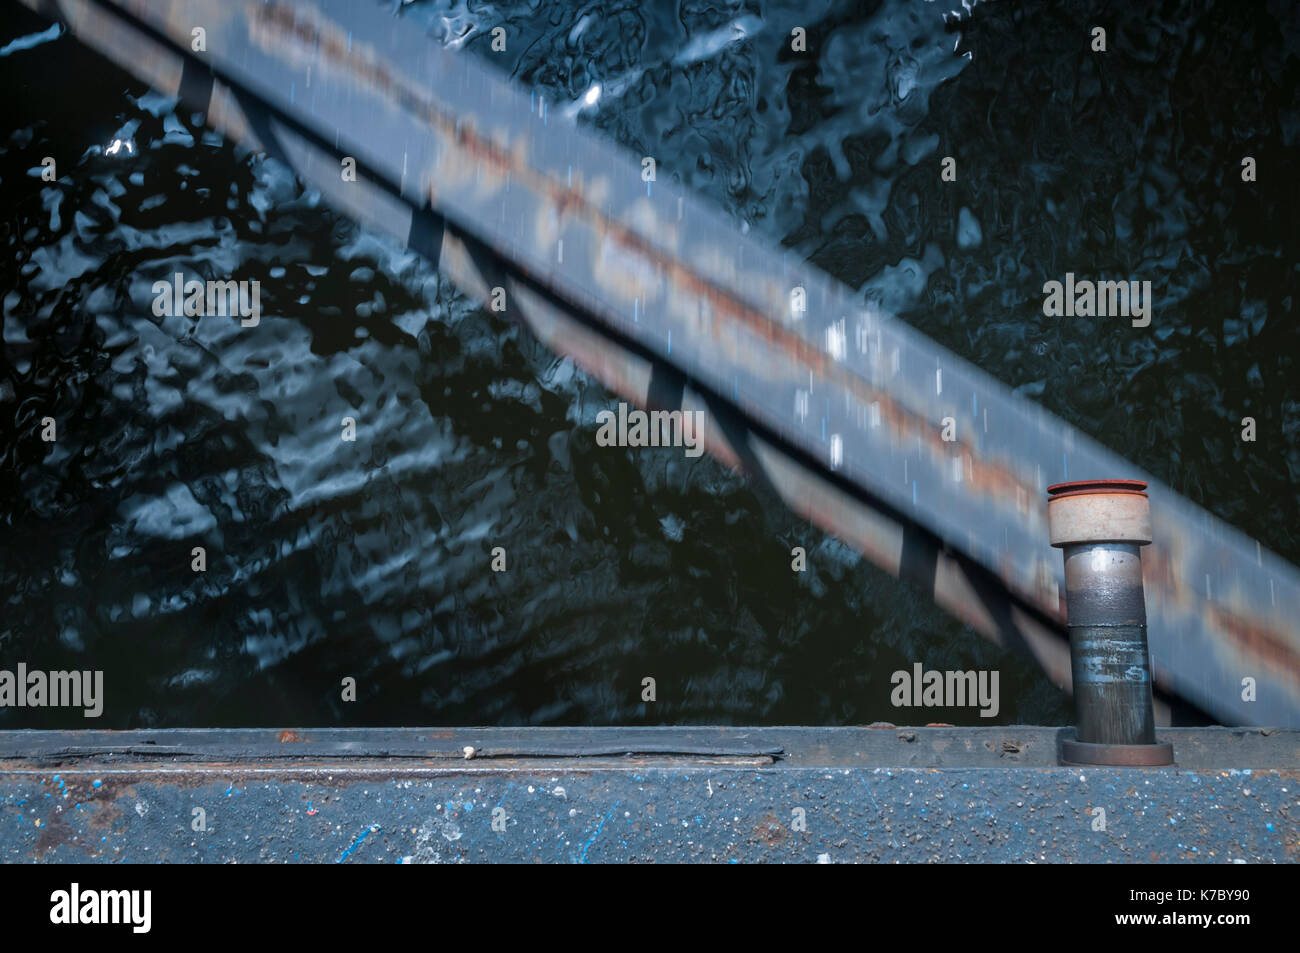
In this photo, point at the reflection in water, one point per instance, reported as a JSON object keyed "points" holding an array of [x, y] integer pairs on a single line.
{"points": [[327, 558]]}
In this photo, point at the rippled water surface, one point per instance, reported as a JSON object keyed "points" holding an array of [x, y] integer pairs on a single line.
{"points": [[370, 559]]}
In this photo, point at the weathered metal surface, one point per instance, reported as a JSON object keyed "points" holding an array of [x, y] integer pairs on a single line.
{"points": [[1141, 755], [839, 396], [1112, 685], [835, 795], [1098, 511], [1100, 527]]}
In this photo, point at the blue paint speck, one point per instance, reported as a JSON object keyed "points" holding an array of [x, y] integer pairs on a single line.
{"points": [[356, 843]]}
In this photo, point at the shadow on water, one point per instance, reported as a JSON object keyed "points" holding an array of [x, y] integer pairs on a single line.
{"points": [[369, 559]]}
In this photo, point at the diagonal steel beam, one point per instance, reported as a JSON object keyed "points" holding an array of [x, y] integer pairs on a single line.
{"points": [[840, 407]]}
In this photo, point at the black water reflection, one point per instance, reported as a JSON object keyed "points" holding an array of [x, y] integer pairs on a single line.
{"points": [[328, 559]]}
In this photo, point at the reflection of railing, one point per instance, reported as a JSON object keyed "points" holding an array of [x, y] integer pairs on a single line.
{"points": [[917, 459]]}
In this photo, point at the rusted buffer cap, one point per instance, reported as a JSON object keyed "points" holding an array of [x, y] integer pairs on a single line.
{"points": [[1099, 511]]}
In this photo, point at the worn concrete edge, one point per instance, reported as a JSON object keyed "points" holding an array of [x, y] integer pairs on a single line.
{"points": [[565, 810], [777, 747]]}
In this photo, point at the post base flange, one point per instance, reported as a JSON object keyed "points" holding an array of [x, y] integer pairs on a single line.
{"points": [[1117, 756]]}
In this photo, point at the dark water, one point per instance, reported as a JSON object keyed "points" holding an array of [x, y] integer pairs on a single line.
{"points": [[370, 559]]}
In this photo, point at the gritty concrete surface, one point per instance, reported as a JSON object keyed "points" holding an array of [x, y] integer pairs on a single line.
{"points": [[820, 803]]}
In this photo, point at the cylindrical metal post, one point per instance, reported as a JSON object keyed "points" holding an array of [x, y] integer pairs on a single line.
{"points": [[1100, 525]]}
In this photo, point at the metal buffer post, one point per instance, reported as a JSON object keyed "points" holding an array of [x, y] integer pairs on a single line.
{"points": [[1100, 525]]}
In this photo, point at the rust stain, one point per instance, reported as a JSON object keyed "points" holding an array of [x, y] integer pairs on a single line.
{"points": [[1257, 640], [1250, 636], [107, 815], [55, 832], [771, 831]]}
